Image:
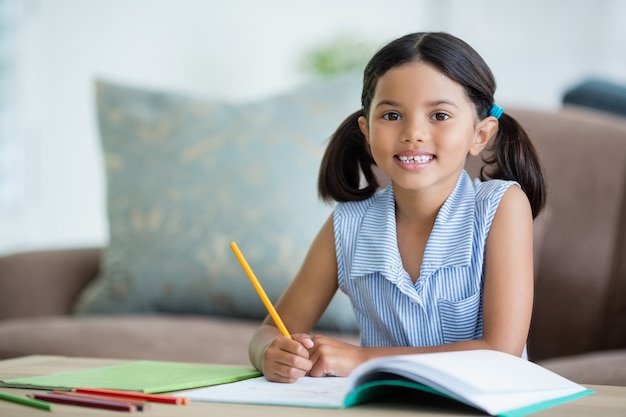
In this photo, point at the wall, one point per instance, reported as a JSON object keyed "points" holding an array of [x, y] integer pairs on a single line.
{"points": [[244, 50]]}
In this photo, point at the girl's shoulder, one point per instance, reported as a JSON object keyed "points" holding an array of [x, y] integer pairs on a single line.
{"points": [[491, 189], [488, 196]]}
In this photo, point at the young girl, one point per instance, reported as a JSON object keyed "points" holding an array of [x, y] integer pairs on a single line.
{"points": [[435, 261]]}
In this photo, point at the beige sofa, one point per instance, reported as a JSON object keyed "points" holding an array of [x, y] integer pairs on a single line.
{"points": [[579, 322]]}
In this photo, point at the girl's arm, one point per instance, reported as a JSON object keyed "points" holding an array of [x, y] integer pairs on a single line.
{"points": [[507, 304], [300, 307], [507, 298], [509, 275]]}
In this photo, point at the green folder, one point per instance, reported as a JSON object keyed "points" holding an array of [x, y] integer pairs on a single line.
{"points": [[143, 376]]}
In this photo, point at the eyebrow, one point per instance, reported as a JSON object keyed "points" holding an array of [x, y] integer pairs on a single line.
{"points": [[436, 103], [387, 103], [433, 103]]}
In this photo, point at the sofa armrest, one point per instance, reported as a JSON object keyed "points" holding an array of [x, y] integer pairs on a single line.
{"points": [[45, 282]]}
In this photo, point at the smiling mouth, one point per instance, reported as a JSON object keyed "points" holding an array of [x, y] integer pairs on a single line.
{"points": [[415, 159]]}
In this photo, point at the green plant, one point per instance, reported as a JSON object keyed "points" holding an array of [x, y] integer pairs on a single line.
{"points": [[342, 54]]}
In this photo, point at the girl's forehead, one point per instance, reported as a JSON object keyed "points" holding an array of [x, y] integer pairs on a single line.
{"points": [[417, 79]]}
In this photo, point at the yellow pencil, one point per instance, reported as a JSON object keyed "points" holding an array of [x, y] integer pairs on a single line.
{"points": [[259, 289]]}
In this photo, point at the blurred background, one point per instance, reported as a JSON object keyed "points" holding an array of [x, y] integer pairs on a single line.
{"points": [[52, 179]]}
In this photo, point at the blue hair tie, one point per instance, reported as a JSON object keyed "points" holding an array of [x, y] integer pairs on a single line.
{"points": [[496, 111]]}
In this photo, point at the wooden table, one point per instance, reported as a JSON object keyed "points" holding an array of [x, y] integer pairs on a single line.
{"points": [[607, 401]]}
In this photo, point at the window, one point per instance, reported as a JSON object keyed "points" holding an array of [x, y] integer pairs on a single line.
{"points": [[19, 121], [9, 146]]}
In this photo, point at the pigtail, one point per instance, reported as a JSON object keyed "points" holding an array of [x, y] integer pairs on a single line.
{"points": [[346, 161], [512, 156]]}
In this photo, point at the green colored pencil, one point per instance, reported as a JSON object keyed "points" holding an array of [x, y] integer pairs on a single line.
{"points": [[26, 401]]}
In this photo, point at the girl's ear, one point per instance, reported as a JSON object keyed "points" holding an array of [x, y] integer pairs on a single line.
{"points": [[365, 128], [486, 129]]}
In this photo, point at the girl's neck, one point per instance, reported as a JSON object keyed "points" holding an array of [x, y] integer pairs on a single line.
{"points": [[414, 223], [415, 218], [417, 208]]}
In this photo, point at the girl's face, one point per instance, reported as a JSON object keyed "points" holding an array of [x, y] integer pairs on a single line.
{"points": [[421, 127]]}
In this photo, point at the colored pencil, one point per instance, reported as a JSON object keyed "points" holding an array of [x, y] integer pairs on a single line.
{"points": [[259, 289], [85, 402], [26, 401], [140, 404], [160, 398]]}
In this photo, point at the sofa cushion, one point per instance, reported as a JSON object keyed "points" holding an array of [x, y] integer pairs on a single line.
{"points": [[606, 367], [579, 293], [188, 175], [176, 338], [598, 94], [165, 337], [44, 282]]}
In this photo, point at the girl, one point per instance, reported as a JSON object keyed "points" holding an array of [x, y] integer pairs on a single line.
{"points": [[435, 261]]}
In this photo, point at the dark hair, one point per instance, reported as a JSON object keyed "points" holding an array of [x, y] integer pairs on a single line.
{"points": [[346, 172]]}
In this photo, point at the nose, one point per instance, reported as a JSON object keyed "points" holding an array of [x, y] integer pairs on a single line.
{"points": [[415, 130]]}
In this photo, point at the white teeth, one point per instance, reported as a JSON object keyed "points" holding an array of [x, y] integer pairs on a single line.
{"points": [[416, 159]]}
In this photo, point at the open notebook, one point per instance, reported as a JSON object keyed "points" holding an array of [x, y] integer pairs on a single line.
{"points": [[491, 381]]}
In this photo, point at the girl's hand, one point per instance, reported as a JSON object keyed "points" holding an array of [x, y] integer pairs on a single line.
{"points": [[332, 357], [286, 360]]}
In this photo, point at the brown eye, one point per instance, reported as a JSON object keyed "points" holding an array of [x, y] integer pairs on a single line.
{"points": [[440, 117], [391, 116]]}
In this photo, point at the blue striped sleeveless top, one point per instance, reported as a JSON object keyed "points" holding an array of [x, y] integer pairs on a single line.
{"points": [[445, 304]]}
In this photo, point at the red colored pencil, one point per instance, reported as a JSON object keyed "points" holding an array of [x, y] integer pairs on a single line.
{"points": [[85, 402], [140, 404], [168, 399]]}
